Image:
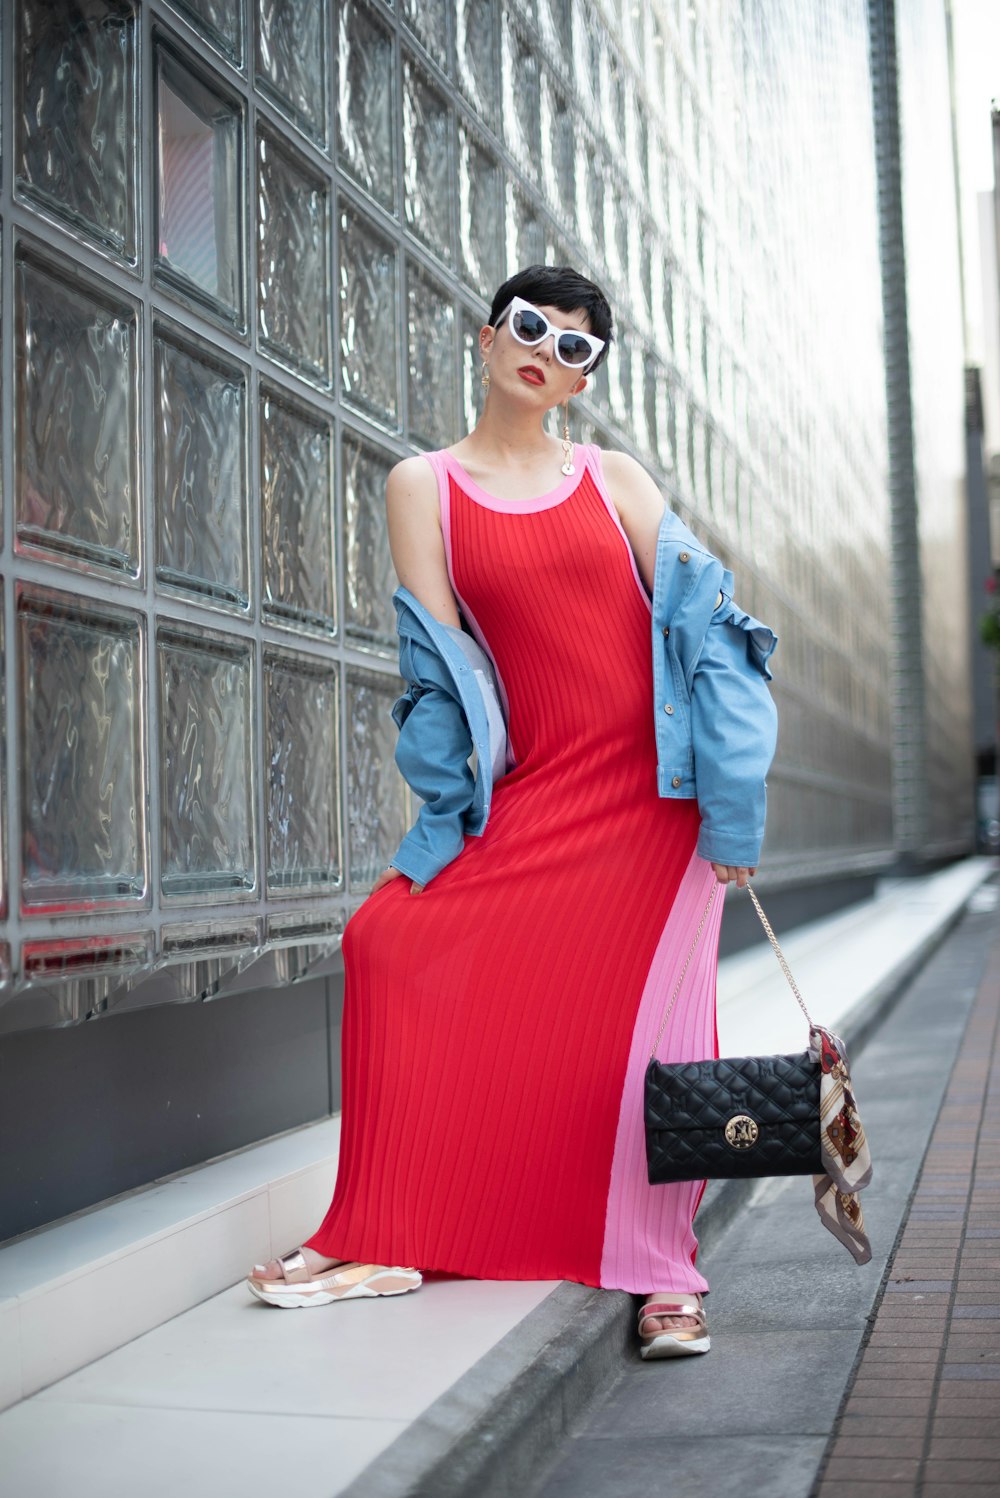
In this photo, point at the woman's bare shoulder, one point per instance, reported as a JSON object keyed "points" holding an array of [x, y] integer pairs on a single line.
{"points": [[411, 478], [630, 486]]}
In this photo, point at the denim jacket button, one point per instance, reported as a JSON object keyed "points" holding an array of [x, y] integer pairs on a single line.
{"points": [[666, 631], [684, 557], [676, 782], [668, 708]]}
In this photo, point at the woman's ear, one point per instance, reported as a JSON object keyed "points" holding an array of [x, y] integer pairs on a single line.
{"points": [[580, 386], [486, 337]]}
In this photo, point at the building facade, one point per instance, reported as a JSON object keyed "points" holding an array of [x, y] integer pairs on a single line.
{"points": [[246, 250]]}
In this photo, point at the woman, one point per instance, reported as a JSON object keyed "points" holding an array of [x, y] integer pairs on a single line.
{"points": [[506, 976]]}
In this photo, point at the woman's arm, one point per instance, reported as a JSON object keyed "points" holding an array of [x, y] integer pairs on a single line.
{"points": [[415, 538], [417, 547]]}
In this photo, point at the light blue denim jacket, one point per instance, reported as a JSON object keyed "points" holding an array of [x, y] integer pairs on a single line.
{"points": [[714, 718]]}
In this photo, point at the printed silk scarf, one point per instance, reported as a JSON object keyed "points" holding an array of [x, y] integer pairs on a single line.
{"points": [[843, 1146]]}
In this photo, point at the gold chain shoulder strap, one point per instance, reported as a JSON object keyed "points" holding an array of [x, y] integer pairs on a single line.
{"points": [[687, 962]]}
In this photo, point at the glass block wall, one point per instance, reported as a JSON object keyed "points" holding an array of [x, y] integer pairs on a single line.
{"points": [[933, 288], [246, 250]]}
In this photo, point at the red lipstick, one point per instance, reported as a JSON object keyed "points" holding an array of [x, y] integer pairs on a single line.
{"points": [[532, 374]]}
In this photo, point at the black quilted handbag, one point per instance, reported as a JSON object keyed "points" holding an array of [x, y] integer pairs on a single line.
{"points": [[735, 1115]]}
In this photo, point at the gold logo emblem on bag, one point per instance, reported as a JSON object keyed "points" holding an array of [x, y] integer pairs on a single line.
{"points": [[741, 1132]]}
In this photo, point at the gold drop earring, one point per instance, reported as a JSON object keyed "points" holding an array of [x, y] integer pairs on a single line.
{"points": [[567, 468], [486, 376]]}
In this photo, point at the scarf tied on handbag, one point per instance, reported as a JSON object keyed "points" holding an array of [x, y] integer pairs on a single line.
{"points": [[843, 1146]]}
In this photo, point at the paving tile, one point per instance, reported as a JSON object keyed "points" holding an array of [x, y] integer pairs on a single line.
{"points": [[879, 1446], [872, 1469], [958, 1471], [978, 1447]]}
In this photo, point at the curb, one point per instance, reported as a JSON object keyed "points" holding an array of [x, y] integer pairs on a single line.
{"points": [[490, 1434]]}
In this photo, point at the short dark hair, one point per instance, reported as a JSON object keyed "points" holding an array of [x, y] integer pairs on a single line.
{"points": [[559, 286]]}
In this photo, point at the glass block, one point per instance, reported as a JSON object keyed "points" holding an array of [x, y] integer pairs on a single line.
{"points": [[75, 116], [3, 764], [370, 579], [525, 232], [366, 133], [369, 311], [293, 265], [377, 795], [521, 85], [199, 199], [302, 749], [207, 755], [473, 394], [480, 184], [428, 19], [558, 150], [476, 55], [76, 478], [293, 59], [200, 471], [427, 133], [82, 976], [221, 21], [82, 754], [297, 530], [431, 329], [555, 22]]}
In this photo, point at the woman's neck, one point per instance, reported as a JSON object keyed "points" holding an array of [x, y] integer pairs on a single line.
{"points": [[511, 439]]}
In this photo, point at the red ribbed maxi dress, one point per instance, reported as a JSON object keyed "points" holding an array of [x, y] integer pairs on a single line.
{"points": [[497, 1027]]}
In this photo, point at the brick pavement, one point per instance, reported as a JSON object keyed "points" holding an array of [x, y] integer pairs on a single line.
{"points": [[921, 1416]]}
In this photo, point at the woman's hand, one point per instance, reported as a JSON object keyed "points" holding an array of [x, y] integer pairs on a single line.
{"points": [[388, 875], [726, 871]]}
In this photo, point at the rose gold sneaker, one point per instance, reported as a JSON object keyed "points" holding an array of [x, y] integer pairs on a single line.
{"points": [[299, 1287]]}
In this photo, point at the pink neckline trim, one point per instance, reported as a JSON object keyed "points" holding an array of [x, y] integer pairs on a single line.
{"points": [[519, 506]]}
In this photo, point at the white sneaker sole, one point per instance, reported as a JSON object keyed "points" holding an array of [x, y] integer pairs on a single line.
{"points": [[295, 1297]]}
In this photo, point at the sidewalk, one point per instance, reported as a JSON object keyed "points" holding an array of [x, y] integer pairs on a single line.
{"points": [[882, 1381], [468, 1387]]}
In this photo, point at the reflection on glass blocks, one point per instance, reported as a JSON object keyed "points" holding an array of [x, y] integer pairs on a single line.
{"points": [[302, 754], [199, 209], [476, 55], [521, 84], [293, 59], [472, 394], [427, 132], [366, 132], [81, 751], [558, 150], [431, 363], [207, 757], [377, 797], [77, 415], [221, 21], [75, 115], [525, 231], [369, 313], [297, 529], [479, 208], [369, 576], [428, 19], [3, 766], [200, 466], [293, 276]]}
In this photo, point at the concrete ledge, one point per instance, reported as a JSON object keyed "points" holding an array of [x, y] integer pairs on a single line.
{"points": [[75, 1291]]}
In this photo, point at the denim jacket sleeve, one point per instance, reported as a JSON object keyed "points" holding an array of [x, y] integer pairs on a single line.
{"points": [[734, 731], [432, 754]]}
